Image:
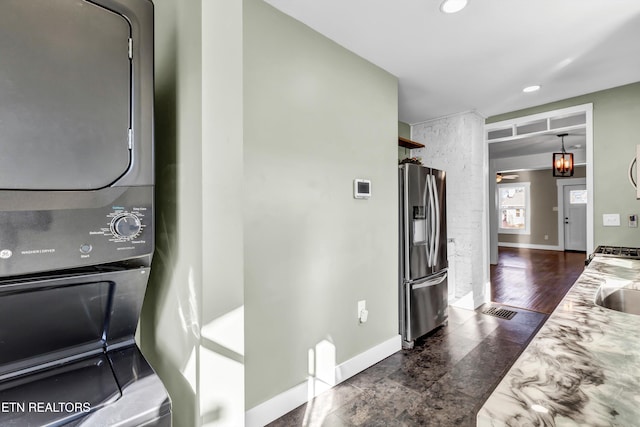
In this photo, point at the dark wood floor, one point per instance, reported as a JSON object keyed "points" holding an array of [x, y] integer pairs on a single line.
{"points": [[442, 382], [438, 382], [534, 279]]}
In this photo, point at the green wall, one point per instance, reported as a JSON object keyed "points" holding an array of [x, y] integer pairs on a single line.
{"points": [[261, 251], [191, 328], [165, 340], [544, 197], [220, 357], [616, 127], [404, 130], [316, 116]]}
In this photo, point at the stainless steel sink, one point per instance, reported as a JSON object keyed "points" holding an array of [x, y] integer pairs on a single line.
{"points": [[624, 300]]}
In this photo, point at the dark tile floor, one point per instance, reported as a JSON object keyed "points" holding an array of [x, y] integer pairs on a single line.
{"points": [[443, 381]]}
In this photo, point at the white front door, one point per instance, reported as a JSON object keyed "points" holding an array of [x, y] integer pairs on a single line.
{"points": [[575, 217]]}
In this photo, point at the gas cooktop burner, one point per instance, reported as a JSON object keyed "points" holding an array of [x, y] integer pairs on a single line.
{"points": [[617, 251]]}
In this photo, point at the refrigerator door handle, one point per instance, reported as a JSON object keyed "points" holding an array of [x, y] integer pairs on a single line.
{"points": [[427, 231], [407, 296], [430, 282], [437, 227], [407, 272], [434, 217]]}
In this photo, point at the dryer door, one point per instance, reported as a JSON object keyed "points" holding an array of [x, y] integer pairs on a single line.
{"points": [[64, 95]]}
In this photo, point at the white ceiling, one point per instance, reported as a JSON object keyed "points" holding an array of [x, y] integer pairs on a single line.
{"points": [[481, 58]]}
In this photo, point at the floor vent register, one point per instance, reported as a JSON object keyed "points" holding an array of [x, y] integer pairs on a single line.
{"points": [[500, 312]]}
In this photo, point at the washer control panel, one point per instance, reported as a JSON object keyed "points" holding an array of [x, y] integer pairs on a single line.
{"points": [[117, 229], [125, 225]]}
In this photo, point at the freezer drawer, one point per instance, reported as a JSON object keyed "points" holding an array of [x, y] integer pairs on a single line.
{"points": [[425, 306]]}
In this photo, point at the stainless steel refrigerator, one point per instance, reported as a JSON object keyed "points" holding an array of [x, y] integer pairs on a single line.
{"points": [[423, 251]]}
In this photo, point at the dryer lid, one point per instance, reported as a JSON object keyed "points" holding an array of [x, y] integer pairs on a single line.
{"points": [[65, 79]]}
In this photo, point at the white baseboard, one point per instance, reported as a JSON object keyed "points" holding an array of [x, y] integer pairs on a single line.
{"points": [[530, 246], [369, 358], [279, 405]]}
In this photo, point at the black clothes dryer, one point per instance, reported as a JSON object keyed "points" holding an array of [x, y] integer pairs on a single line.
{"points": [[76, 212]]}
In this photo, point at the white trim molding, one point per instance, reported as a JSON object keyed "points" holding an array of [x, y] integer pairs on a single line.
{"points": [[530, 246], [491, 222], [527, 208], [281, 404]]}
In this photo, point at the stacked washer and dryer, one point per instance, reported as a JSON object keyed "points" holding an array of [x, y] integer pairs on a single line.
{"points": [[76, 213]]}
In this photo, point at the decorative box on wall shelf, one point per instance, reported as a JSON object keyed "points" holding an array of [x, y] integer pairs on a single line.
{"points": [[407, 143]]}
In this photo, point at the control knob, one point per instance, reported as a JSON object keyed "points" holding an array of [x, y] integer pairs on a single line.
{"points": [[126, 226]]}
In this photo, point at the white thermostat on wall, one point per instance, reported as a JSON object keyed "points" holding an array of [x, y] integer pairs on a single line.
{"points": [[361, 188]]}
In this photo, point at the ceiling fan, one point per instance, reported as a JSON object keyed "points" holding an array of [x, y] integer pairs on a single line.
{"points": [[500, 176]]}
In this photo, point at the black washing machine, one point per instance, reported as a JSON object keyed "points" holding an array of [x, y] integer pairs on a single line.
{"points": [[76, 213]]}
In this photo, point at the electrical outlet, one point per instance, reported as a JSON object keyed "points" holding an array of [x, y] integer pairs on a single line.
{"points": [[362, 311], [633, 221]]}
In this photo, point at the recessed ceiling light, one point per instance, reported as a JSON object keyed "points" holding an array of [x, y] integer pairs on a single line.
{"points": [[453, 6], [530, 89]]}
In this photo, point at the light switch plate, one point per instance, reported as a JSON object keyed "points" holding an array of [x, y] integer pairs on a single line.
{"points": [[611, 220]]}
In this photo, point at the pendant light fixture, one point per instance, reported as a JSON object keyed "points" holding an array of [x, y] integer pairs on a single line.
{"points": [[562, 162]]}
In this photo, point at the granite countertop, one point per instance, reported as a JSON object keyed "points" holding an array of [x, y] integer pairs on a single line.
{"points": [[582, 367]]}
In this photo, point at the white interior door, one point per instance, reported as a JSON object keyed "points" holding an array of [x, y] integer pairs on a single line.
{"points": [[575, 217]]}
